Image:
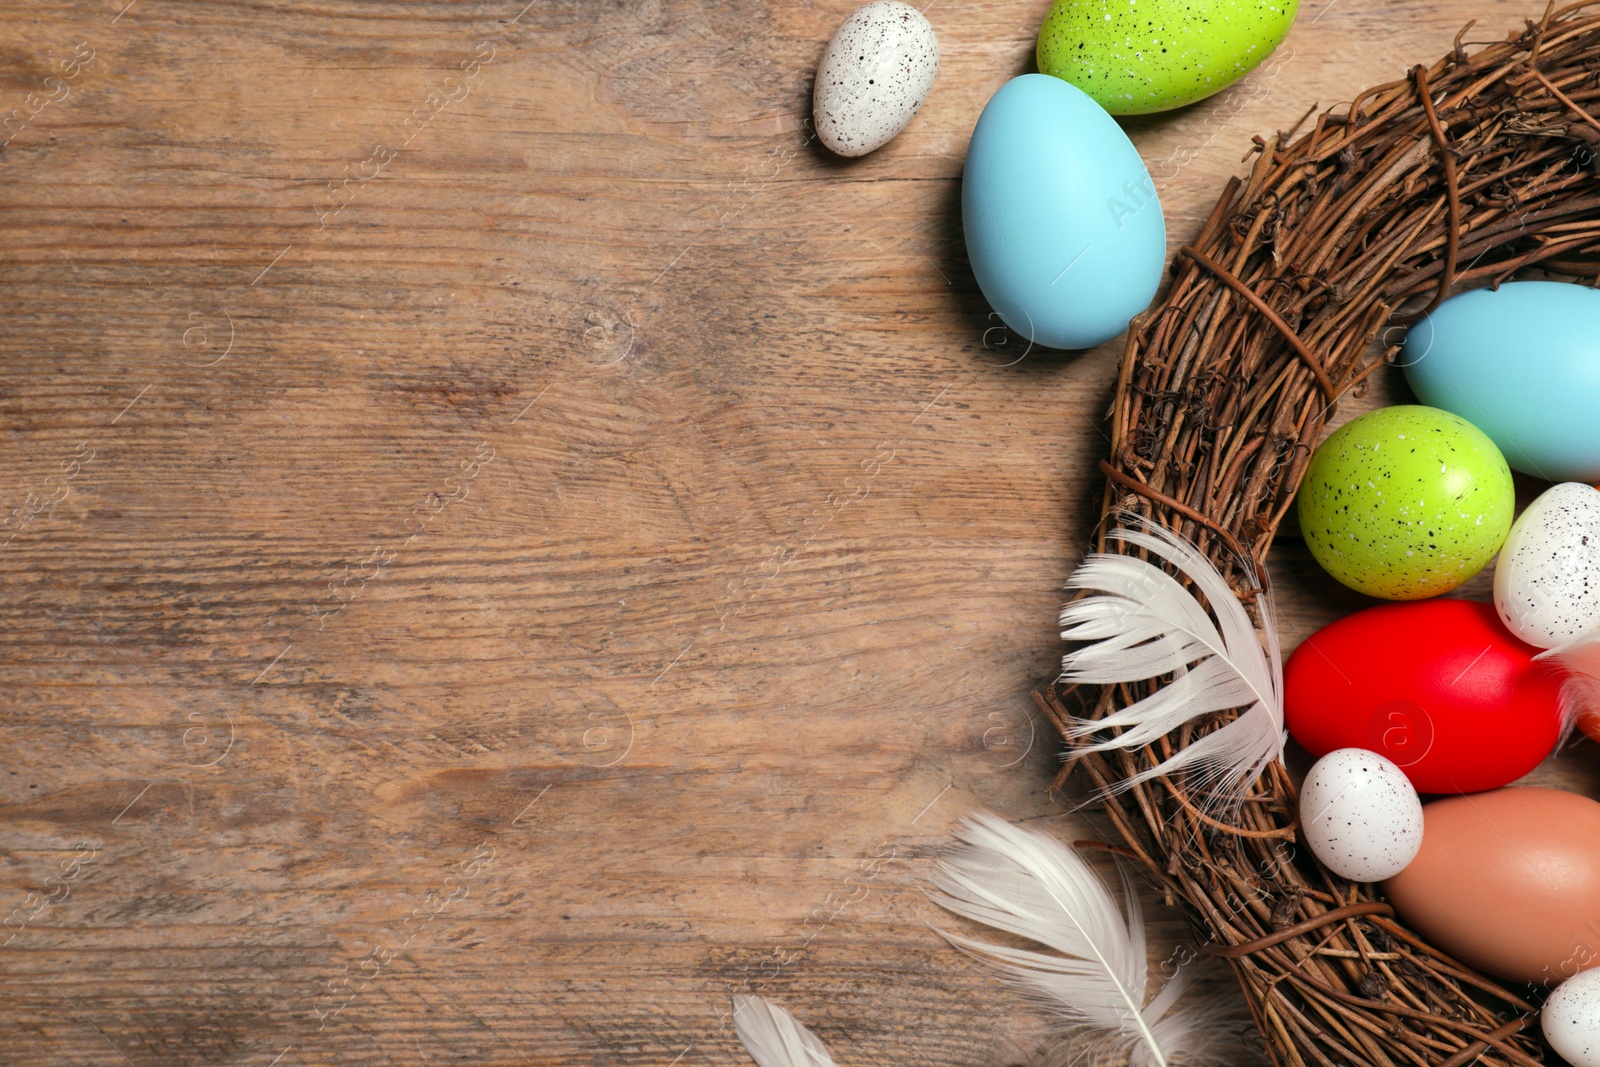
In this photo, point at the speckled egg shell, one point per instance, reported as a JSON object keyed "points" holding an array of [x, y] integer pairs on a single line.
{"points": [[1360, 815], [1547, 583], [1571, 1019], [1406, 502], [874, 76], [1139, 56]]}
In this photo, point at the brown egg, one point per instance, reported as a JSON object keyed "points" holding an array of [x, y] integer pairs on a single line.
{"points": [[1509, 882]]}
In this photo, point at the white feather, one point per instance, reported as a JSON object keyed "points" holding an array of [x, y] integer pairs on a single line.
{"points": [[1579, 662], [1025, 882], [773, 1037], [1143, 624]]}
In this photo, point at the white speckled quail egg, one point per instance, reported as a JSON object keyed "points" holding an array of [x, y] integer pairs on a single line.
{"points": [[874, 76], [1360, 815], [1571, 1019], [1547, 583]]}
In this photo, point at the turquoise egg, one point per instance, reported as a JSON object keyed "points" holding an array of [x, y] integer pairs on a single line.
{"points": [[1522, 363], [1063, 226]]}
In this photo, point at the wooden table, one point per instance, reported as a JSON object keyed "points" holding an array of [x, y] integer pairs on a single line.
{"points": [[514, 543]]}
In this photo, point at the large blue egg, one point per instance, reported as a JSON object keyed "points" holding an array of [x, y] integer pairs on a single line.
{"points": [[1522, 363], [1063, 226]]}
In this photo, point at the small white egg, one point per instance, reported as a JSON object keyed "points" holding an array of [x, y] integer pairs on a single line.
{"points": [[1547, 583], [1571, 1019], [1360, 815], [874, 76]]}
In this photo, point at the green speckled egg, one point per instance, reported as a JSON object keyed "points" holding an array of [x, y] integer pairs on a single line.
{"points": [[1138, 56], [1406, 502]]}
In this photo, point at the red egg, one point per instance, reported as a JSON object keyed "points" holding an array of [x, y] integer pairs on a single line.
{"points": [[1440, 687]]}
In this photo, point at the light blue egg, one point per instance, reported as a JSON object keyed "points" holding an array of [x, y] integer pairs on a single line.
{"points": [[1522, 363], [1063, 226]]}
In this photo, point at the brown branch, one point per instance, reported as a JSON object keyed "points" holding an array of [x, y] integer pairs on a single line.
{"points": [[1366, 907], [1227, 276], [1452, 193]]}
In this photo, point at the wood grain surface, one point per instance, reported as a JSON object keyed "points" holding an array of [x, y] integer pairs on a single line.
{"points": [[510, 544]]}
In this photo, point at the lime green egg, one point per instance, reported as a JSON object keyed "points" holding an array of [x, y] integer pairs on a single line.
{"points": [[1135, 57], [1406, 502]]}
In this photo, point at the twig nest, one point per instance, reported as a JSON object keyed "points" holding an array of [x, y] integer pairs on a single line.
{"points": [[876, 73], [1458, 175]]}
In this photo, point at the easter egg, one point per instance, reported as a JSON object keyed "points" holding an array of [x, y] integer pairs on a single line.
{"points": [[1138, 58], [1508, 882], [1522, 363], [1360, 816], [1440, 687], [1063, 228], [1547, 581], [1405, 502], [1570, 1019], [876, 72]]}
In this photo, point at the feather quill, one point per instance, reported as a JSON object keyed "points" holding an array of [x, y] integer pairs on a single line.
{"points": [[1025, 882], [1142, 624], [773, 1037]]}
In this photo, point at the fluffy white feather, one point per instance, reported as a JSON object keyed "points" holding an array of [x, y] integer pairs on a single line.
{"points": [[1025, 882], [1142, 623], [773, 1037], [1579, 662]]}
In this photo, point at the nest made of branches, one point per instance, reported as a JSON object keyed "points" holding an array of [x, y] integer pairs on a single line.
{"points": [[1464, 172]]}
